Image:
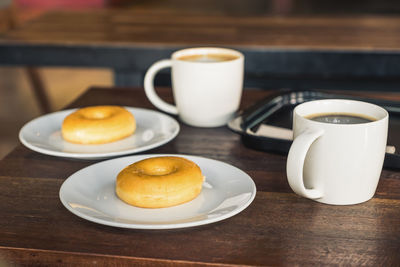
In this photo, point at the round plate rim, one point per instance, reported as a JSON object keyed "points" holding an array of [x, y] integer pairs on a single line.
{"points": [[162, 226], [97, 155]]}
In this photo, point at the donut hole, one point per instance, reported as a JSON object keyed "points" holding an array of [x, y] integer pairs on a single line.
{"points": [[96, 114], [158, 170]]}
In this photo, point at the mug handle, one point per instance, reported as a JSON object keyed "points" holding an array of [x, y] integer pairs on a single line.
{"points": [[149, 86], [295, 163]]}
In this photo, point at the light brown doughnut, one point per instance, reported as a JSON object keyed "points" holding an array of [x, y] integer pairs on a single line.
{"points": [[98, 125], [159, 182]]}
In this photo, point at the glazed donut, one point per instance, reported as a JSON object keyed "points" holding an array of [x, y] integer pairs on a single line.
{"points": [[98, 125], [159, 182]]}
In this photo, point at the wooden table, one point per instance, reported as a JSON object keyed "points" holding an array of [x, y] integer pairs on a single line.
{"points": [[278, 228], [296, 50]]}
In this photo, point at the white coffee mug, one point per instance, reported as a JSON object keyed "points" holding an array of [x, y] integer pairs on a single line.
{"points": [[207, 85], [334, 163]]}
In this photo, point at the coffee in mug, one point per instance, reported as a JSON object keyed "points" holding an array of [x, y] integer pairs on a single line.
{"points": [[207, 84], [338, 150], [340, 118], [208, 57]]}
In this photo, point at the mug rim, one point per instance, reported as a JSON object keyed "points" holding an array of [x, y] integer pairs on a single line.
{"points": [[377, 109], [195, 50]]}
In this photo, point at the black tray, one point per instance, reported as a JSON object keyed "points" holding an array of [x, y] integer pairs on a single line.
{"points": [[277, 111]]}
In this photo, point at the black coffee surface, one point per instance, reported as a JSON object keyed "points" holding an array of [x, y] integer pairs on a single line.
{"points": [[338, 118]]}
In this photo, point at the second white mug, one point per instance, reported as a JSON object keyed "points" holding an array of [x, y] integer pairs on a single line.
{"points": [[338, 150], [207, 85]]}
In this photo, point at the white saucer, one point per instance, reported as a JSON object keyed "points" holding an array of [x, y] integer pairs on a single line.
{"points": [[43, 135], [90, 194]]}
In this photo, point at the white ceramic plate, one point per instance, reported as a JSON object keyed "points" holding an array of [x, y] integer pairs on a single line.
{"points": [[43, 135], [90, 194]]}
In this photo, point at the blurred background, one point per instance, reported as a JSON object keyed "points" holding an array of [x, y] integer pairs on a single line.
{"points": [[18, 103]]}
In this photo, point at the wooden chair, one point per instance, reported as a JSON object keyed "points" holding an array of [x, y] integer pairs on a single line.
{"points": [[8, 21]]}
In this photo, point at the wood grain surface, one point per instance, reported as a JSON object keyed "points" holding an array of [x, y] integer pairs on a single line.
{"points": [[122, 27], [278, 228], [319, 49]]}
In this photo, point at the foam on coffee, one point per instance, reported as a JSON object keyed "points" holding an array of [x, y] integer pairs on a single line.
{"points": [[208, 58]]}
